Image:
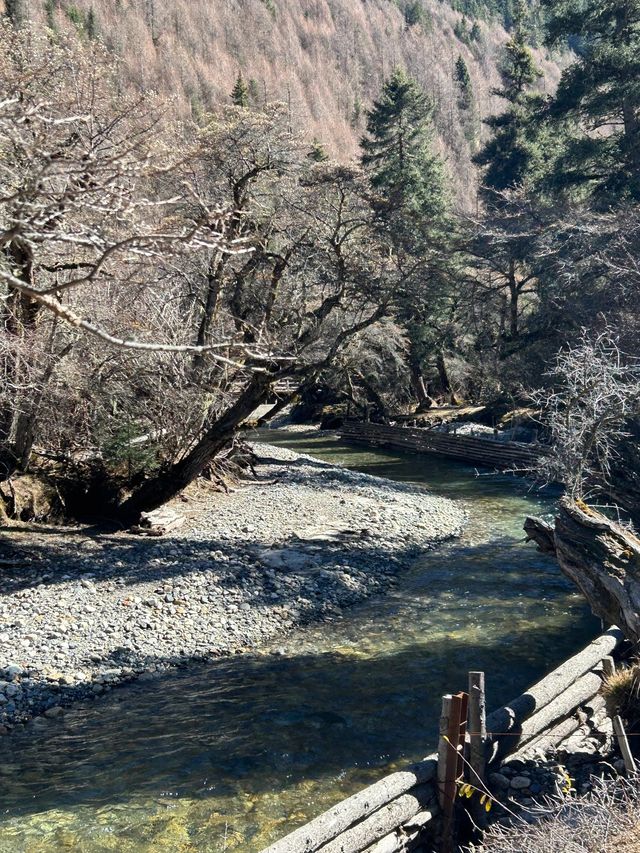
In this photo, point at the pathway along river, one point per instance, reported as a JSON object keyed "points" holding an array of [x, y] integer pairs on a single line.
{"points": [[233, 754]]}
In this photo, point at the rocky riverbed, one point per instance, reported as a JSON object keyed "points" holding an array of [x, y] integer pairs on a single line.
{"points": [[82, 610]]}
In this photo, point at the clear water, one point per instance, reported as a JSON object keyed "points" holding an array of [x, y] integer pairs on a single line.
{"points": [[233, 754]]}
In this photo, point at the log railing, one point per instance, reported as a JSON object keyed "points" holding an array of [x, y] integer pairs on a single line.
{"points": [[504, 455], [395, 814]]}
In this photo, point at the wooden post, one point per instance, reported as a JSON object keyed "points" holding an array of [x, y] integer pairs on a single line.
{"points": [[452, 727], [477, 728], [443, 748], [623, 743]]}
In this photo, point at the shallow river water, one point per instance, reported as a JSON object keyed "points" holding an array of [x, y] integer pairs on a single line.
{"points": [[232, 754]]}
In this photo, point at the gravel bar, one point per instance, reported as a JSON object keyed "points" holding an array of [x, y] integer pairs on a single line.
{"points": [[82, 611]]}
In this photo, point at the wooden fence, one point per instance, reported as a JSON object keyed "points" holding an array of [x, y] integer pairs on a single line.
{"points": [[398, 813], [504, 455]]}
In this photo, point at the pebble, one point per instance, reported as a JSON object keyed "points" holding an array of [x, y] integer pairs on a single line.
{"points": [[249, 567]]}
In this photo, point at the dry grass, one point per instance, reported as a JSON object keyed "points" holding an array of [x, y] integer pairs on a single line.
{"points": [[322, 57], [604, 821], [622, 695]]}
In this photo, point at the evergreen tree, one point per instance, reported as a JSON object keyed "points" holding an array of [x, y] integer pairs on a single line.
{"points": [[398, 158], [463, 79], [240, 92], [414, 13], [461, 31], [411, 208], [476, 33], [598, 99], [513, 151], [16, 11], [50, 11], [356, 112], [92, 24], [254, 91], [318, 153]]}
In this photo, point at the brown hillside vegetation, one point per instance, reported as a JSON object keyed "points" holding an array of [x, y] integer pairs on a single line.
{"points": [[326, 59]]}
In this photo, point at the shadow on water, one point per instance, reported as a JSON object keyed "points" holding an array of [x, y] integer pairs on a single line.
{"points": [[232, 754], [254, 720]]}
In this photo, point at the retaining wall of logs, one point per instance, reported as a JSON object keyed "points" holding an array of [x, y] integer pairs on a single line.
{"points": [[504, 455], [403, 811]]}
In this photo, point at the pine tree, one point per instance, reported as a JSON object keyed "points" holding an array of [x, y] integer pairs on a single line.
{"points": [[598, 98], [16, 11], [512, 152], [318, 152], [398, 159], [414, 13], [461, 31], [254, 91], [240, 93], [463, 79], [50, 12], [411, 207], [91, 24]]}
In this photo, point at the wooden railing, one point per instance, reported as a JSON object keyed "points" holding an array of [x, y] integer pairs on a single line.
{"points": [[504, 455], [396, 814]]}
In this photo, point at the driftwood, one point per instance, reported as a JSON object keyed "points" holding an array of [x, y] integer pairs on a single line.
{"points": [[332, 823], [158, 523], [601, 558]]}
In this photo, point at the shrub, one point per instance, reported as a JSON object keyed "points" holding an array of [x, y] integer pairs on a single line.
{"points": [[622, 694], [604, 821]]}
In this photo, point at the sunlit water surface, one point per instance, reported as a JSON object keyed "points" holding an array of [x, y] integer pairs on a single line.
{"points": [[231, 755]]}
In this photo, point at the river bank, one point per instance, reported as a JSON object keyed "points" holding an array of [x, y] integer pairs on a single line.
{"points": [[82, 611]]}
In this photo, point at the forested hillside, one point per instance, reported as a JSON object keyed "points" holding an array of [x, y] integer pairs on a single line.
{"points": [[210, 206], [325, 59]]}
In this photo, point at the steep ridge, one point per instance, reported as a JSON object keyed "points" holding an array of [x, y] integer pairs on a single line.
{"points": [[325, 58]]}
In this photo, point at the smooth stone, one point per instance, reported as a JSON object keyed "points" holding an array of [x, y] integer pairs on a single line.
{"points": [[520, 782], [53, 713], [497, 780]]}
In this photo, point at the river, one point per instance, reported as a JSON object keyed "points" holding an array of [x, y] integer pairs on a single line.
{"points": [[232, 754]]}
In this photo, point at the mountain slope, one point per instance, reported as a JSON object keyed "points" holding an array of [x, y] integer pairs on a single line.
{"points": [[325, 58]]}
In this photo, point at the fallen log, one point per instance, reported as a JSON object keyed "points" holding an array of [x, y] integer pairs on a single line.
{"points": [[542, 533], [602, 558], [584, 689], [548, 740], [407, 836], [159, 522], [330, 824], [506, 725], [381, 823]]}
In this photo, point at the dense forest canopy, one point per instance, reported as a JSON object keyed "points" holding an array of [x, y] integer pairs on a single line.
{"points": [[163, 274]]}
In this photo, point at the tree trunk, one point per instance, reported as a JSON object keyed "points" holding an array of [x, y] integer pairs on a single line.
{"points": [[374, 397], [514, 296], [445, 382], [420, 389], [601, 558], [19, 319], [158, 490]]}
